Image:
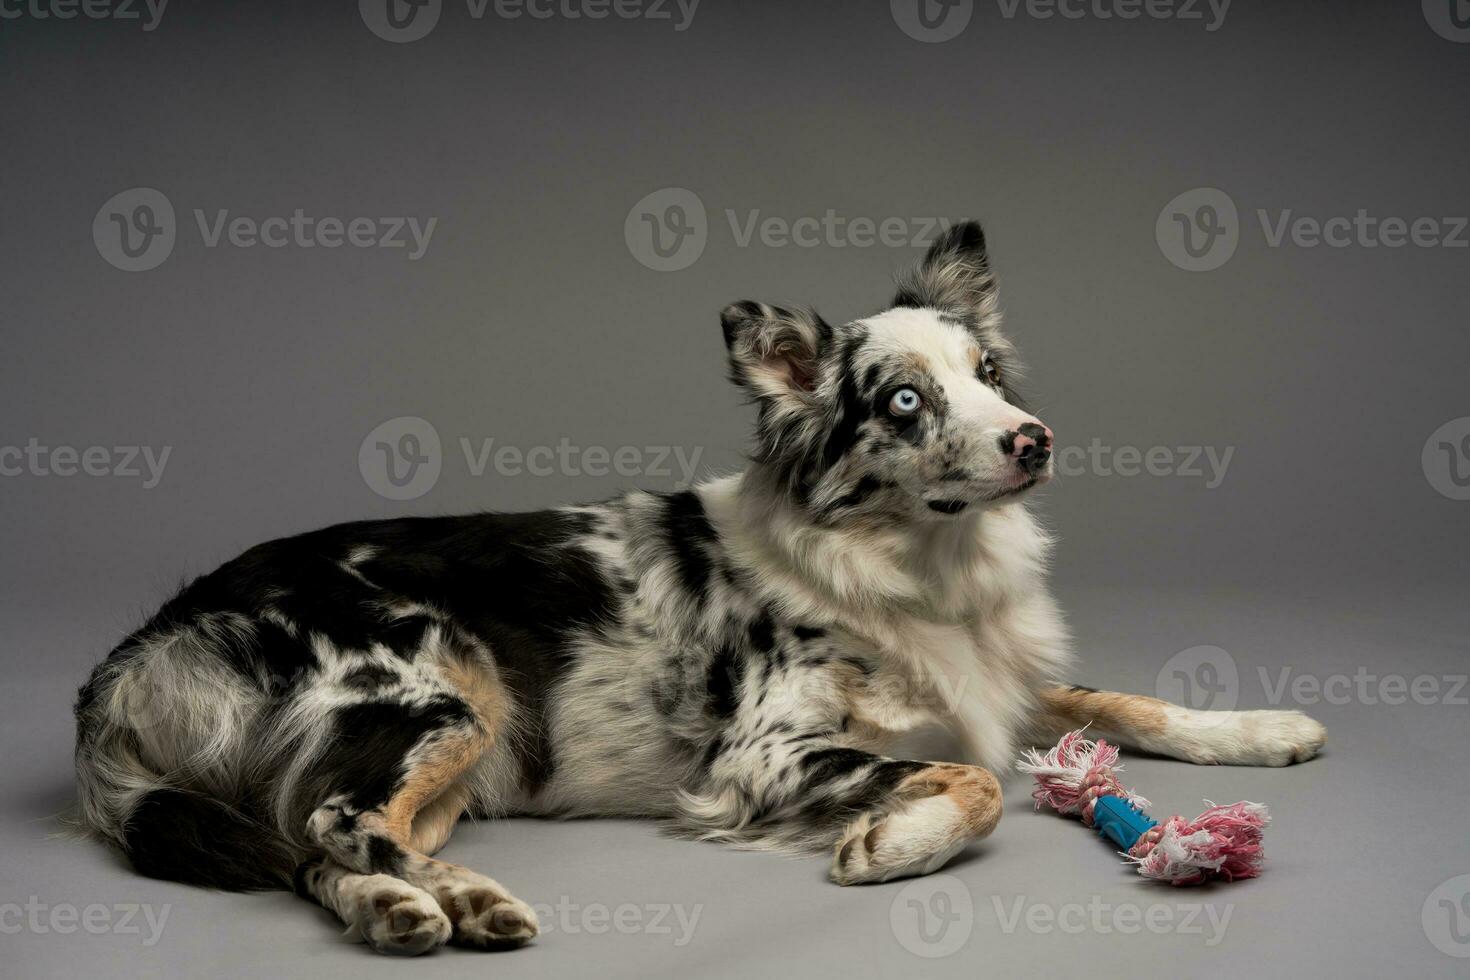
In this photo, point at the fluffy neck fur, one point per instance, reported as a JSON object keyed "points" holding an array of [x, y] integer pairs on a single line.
{"points": [[877, 575]]}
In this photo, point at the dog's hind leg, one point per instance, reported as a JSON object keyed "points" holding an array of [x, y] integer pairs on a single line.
{"points": [[388, 913], [391, 787], [372, 832], [1236, 738]]}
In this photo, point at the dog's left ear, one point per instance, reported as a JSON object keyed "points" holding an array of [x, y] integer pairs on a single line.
{"points": [[954, 276], [775, 352]]}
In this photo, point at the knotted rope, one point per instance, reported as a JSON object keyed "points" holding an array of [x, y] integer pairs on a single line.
{"points": [[1079, 777]]}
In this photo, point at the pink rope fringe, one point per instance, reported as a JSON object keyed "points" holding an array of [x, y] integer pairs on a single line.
{"points": [[1223, 843]]}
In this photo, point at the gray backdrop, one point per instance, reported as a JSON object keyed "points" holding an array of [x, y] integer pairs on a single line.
{"points": [[1232, 247]]}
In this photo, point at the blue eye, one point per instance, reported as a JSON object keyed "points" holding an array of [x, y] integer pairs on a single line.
{"points": [[905, 401]]}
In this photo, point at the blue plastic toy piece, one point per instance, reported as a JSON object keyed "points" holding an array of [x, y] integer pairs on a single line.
{"points": [[1118, 822]]}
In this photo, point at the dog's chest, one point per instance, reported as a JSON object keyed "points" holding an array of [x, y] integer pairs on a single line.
{"points": [[975, 678]]}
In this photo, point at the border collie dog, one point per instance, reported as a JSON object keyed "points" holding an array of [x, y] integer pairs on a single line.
{"points": [[736, 659]]}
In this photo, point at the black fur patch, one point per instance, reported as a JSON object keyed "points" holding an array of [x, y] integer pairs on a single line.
{"points": [[853, 408], [861, 491], [825, 765], [384, 856], [370, 742], [181, 836], [722, 682], [762, 632], [688, 530], [303, 879]]}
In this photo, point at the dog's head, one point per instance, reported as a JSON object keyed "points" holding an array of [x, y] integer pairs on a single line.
{"points": [[909, 414]]}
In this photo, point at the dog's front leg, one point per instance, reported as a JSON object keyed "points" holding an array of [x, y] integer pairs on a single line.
{"points": [[881, 818], [1232, 738]]}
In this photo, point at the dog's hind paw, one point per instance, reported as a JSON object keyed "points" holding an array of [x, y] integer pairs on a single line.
{"points": [[396, 918], [487, 917]]}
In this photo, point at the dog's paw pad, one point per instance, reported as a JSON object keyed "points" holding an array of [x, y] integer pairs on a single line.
{"points": [[486, 918], [853, 861], [402, 921]]}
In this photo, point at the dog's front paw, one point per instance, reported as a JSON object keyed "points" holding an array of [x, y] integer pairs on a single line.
{"points": [[1279, 738], [1245, 738], [915, 840]]}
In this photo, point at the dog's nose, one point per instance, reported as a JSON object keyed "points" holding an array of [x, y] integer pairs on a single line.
{"points": [[1029, 445]]}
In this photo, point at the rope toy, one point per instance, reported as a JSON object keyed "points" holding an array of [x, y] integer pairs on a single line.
{"points": [[1080, 777]]}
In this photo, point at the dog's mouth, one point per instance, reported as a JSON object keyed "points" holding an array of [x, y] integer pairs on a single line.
{"points": [[1013, 491], [954, 506]]}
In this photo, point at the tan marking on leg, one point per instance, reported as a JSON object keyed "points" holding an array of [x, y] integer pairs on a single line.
{"points": [[480, 686], [435, 821], [433, 774], [975, 791], [434, 777], [1121, 714]]}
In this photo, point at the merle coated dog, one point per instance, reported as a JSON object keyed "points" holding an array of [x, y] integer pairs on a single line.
{"points": [[735, 659]]}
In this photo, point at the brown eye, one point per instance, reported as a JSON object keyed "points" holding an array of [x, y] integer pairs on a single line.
{"points": [[989, 371]]}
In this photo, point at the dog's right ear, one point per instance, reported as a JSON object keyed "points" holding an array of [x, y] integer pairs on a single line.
{"points": [[775, 353], [954, 276]]}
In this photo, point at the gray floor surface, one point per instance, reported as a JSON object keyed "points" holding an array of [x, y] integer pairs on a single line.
{"points": [[1367, 849]]}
